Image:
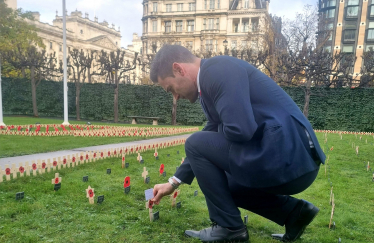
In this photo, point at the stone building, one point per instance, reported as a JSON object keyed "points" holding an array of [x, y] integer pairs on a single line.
{"points": [[203, 25], [349, 27], [84, 34]]}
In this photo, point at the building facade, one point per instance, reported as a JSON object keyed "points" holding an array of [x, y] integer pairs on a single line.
{"points": [[202, 25], [349, 27], [83, 34]]}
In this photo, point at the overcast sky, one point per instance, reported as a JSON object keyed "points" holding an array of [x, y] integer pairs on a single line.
{"points": [[128, 13]]}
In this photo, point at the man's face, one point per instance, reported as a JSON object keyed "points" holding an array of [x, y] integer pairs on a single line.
{"points": [[182, 86]]}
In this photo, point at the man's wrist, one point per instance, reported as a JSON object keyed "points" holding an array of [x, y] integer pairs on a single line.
{"points": [[173, 183]]}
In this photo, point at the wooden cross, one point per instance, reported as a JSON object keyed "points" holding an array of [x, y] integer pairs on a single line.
{"points": [[73, 160], [332, 215], [331, 196], [1, 175], [357, 150], [7, 172], [21, 170], [49, 165], [57, 179], [138, 158], [144, 174], [59, 163], [81, 158], [173, 197], [182, 160], [27, 168], [14, 171], [155, 154], [123, 160], [90, 194], [368, 167], [34, 167]]}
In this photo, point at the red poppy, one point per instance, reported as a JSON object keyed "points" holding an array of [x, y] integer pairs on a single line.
{"points": [[150, 204], [90, 193], [108, 153], [115, 152], [126, 182], [94, 155], [81, 157], [86, 156], [102, 154], [56, 180], [162, 168], [120, 151], [7, 171], [175, 194], [21, 169], [55, 163], [123, 158], [64, 161]]}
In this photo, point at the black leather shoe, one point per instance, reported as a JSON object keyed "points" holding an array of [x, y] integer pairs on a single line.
{"points": [[304, 214], [217, 233]]}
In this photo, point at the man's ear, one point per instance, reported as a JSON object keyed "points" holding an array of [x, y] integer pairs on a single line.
{"points": [[178, 69]]}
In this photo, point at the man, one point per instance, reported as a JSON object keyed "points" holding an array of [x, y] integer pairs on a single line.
{"points": [[256, 149]]}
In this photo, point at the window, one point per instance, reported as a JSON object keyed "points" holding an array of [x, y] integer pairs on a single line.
{"points": [[329, 26], [372, 11], [233, 44], [352, 11], [190, 25], [50, 45], [178, 43], [60, 48], [154, 25], [353, 2], [349, 35], [211, 4], [179, 25], [330, 13], [244, 43], [217, 24], [204, 24], [155, 5], [246, 3], [189, 45], [327, 48], [81, 31], [218, 4], [191, 7], [351, 25], [246, 26], [371, 25], [180, 7], [329, 3], [369, 47], [168, 7], [348, 49], [330, 37], [211, 24], [167, 26], [205, 4], [209, 45], [370, 36]]}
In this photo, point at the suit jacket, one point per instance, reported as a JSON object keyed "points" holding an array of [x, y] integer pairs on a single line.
{"points": [[266, 127]]}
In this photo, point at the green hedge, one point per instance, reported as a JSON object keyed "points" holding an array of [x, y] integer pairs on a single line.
{"points": [[333, 109]]}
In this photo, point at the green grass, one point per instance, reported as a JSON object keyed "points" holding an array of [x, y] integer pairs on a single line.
{"points": [[12, 145], [66, 215]]}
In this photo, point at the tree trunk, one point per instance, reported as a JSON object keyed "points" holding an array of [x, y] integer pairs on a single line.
{"points": [[33, 92], [89, 75], [307, 98], [77, 94], [174, 112], [116, 98], [23, 72]]}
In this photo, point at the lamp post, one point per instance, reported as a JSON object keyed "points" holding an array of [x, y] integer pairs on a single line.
{"points": [[65, 84], [225, 42], [1, 101]]}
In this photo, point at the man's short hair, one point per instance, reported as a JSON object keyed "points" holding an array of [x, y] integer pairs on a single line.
{"points": [[162, 64]]}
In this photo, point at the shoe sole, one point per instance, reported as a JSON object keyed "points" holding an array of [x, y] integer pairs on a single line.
{"points": [[226, 241], [312, 215]]}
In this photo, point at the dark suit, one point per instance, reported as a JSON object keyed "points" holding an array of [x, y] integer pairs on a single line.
{"points": [[261, 132]]}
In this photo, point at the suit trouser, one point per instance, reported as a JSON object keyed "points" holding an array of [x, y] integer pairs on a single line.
{"points": [[208, 153]]}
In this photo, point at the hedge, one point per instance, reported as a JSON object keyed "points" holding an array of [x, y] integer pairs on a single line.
{"points": [[330, 109]]}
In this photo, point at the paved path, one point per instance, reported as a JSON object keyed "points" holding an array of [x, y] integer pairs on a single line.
{"points": [[49, 155]]}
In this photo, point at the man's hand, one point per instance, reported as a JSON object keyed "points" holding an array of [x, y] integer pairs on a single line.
{"points": [[161, 190]]}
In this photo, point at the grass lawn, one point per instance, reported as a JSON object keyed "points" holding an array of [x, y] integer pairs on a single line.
{"points": [[67, 216], [12, 145]]}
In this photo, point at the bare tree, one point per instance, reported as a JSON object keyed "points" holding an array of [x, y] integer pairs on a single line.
{"points": [[36, 61]]}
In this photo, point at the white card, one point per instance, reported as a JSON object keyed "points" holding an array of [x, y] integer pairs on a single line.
{"points": [[148, 194], [141, 157]]}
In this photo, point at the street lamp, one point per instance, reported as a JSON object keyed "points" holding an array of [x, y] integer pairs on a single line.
{"points": [[225, 42]]}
